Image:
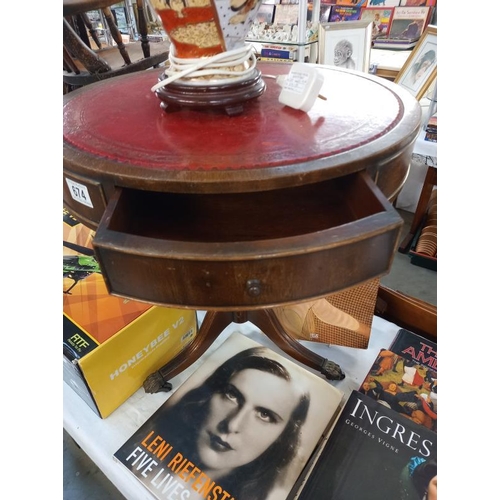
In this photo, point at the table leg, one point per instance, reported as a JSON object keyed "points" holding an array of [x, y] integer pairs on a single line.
{"points": [[215, 322], [268, 322], [211, 327]]}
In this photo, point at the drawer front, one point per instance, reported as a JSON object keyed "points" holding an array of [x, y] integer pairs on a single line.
{"points": [[259, 250]]}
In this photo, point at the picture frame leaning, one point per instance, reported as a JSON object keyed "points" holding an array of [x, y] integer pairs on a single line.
{"points": [[420, 69], [345, 44]]}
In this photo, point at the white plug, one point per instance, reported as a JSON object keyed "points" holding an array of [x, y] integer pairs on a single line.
{"points": [[301, 86]]}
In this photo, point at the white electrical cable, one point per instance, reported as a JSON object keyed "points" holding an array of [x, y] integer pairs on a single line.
{"points": [[179, 68]]}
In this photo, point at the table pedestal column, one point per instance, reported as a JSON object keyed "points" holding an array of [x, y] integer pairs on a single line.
{"points": [[215, 322]]}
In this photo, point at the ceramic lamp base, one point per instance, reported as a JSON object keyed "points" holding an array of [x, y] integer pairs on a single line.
{"points": [[230, 96]]}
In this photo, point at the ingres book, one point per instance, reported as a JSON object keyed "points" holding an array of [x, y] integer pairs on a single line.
{"points": [[242, 426], [373, 453]]}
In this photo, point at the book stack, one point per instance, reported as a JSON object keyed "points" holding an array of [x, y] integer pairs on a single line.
{"points": [[397, 24], [278, 53], [250, 424], [383, 445], [431, 129], [406, 24]]}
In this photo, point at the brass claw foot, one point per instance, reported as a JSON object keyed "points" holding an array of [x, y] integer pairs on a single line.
{"points": [[332, 370], [156, 383]]}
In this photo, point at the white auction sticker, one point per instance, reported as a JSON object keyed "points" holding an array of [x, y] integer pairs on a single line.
{"points": [[79, 192]]}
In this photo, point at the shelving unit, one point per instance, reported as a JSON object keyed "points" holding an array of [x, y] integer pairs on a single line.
{"points": [[302, 29], [304, 48]]}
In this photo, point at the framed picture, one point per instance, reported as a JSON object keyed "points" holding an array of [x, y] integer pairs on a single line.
{"points": [[286, 14], [420, 69], [346, 44], [265, 14]]}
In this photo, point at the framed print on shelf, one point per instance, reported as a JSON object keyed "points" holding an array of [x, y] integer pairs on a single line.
{"points": [[420, 69], [265, 14], [346, 44], [286, 14]]}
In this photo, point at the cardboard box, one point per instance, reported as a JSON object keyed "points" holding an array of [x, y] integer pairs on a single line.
{"points": [[111, 344]]}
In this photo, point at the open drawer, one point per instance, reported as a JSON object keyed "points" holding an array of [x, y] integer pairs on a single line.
{"points": [[241, 251]]}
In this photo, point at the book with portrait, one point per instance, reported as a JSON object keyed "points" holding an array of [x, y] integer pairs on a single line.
{"points": [[381, 18], [351, 3], [408, 23], [340, 13], [373, 453], [242, 426], [405, 386]]}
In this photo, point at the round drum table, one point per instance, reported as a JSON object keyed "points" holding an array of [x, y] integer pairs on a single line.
{"points": [[239, 214]]}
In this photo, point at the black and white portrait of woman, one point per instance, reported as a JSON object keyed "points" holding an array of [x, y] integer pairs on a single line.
{"points": [[247, 419]]}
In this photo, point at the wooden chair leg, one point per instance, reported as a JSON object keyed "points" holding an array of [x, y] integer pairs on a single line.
{"points": [[86, 55], [143, 28], [115, 33], [92, 31]]}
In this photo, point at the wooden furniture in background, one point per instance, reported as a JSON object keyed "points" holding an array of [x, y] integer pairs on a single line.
{"points": [[83, 64], [429, 182], [408, 312], [236, 215], [428, 150]]}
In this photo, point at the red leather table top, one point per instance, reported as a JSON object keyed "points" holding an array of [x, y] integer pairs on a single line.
{"points": [[119, 123]]}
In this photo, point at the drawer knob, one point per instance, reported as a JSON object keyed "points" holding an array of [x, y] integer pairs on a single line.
{"points": [[253, 288]]}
